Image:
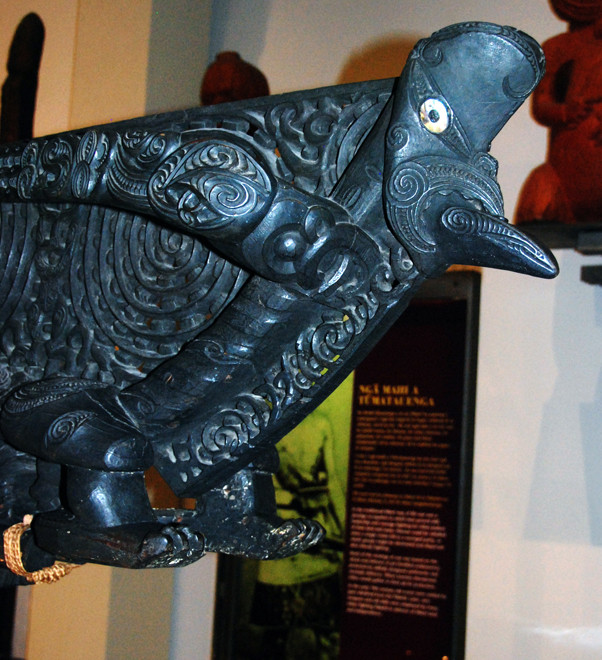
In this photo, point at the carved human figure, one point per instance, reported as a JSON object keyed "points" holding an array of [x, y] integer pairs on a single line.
{"points": [[230, 78], [566, 188]]}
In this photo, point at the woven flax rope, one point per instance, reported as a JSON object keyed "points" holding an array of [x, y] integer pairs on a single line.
{"points": [[14, 559]]}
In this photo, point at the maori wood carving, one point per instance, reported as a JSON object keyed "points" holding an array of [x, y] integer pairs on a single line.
{"points": [[181, 290], [566, 187]]}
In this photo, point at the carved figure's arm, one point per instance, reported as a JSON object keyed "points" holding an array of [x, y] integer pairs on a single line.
{"points": [[206, 183], [551, 106]]}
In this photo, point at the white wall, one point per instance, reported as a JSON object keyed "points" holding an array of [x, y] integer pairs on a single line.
{"points": [[536, 556]]}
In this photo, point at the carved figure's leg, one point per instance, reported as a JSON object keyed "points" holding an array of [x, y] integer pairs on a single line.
{"points": [[105, 514], [17, 474], [543, 198], [240, 518]]}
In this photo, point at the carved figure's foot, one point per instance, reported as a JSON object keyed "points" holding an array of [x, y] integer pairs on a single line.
{"points": [[173, 545], [240, 518], [259, 538], [141, 545], [294, 536]]}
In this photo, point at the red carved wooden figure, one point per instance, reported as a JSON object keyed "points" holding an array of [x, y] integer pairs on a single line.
{"points": [[566, 188], [230, 78]]}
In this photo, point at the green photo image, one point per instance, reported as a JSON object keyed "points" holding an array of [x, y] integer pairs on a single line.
{"points": [[290, 609]]}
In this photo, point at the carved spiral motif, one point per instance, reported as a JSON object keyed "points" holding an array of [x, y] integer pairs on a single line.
{"points": [[65, 426], [464, 221], [147, 146], [227, 197], [318, 137], [327, 341], [145, 290], [101, 295], [407, 184], [33, 395], [45, 165], [230, 430], [224, 436], [460, 221], [212, 183], [486, 164], [27, 176], [225, 157], [216, 352], [397, 136], [56, 160]]}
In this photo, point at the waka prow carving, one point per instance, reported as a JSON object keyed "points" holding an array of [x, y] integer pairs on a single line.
{"points": [[308, 220]]}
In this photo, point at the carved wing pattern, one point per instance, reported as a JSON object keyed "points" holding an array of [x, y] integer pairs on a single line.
{"points": [[150, 289], [305, 137], [101, 294]]}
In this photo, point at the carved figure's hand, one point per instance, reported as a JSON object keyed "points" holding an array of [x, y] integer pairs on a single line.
{"points": [[576, 112]]}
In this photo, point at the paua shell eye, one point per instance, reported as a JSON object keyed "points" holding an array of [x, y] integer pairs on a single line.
{"points": [[434, 115]]}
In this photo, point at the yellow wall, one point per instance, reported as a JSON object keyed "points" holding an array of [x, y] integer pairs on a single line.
{"points": [[110, 60], [56, 69], [70, 618]]}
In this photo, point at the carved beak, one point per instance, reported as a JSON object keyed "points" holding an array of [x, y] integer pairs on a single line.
{"points": [[478, 238]]}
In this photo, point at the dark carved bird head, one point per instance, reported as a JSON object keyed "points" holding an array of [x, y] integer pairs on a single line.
{"points": [[442, 200]]}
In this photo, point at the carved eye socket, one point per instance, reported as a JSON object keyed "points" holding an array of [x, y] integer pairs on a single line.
{"points": [[434, 115]]}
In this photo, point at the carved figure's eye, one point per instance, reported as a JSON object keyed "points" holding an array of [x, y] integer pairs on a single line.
{"points": [[434, 115]]}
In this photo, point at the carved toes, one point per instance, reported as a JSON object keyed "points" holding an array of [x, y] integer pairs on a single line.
{"points": [[294, 536], [174, 545]]}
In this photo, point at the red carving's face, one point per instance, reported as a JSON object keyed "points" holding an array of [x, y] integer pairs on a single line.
{"points": [[577, 11]]}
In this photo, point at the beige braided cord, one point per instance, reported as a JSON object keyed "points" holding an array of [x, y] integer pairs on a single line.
{"points": [[14, 559]]}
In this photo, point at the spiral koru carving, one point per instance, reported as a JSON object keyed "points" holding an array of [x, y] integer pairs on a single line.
{"points": [[144, 290], [215, 184], [407, 184], [317, 138], [63, 427], [135, 150], [34, 395], [46, 168]]}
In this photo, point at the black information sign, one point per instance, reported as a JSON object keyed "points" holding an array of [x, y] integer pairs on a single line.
{"points": [[404, 425], [406, 556]]}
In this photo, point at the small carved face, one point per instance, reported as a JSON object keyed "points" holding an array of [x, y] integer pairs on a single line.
{"points": [[577, 11]]}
